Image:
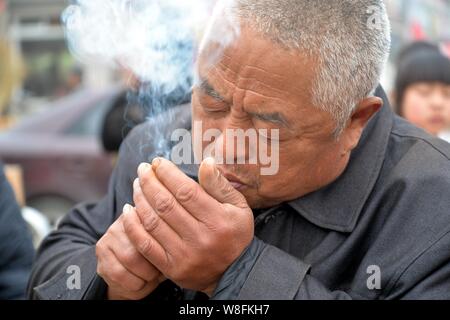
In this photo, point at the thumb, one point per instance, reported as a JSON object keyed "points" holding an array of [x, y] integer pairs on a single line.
{"points": [[217, 186]]}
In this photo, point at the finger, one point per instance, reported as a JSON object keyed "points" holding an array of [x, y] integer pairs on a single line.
{"points": [[217, 186], [164, 203], [144, 242], [116, 275], [133, 260], [153, 223], [185, 190], [136, 264]]}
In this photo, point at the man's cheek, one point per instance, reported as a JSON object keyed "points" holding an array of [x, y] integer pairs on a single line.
{"points": [[281, 186], [268, 185]]}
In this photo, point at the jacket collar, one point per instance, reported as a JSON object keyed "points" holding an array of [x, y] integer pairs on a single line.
{"points": [[338, 206]]}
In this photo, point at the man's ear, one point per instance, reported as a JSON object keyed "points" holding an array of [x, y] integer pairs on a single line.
{"points": [[359, 119]]}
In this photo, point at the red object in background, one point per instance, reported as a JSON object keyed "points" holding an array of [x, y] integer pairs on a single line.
{"points": [[2, 6], [417, 31]]}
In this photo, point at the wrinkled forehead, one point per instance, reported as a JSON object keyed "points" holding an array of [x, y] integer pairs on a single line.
{"points": [[251, 59]]}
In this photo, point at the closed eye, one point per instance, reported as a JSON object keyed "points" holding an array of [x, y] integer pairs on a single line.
{"points": [[275, 118], [207, 89]]}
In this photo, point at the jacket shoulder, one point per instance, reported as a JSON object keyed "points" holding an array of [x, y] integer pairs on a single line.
{"points": [[406, 130], [416, 176]]}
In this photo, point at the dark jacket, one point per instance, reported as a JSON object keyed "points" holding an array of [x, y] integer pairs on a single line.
{"points": [[16, 247], [387, 218]]}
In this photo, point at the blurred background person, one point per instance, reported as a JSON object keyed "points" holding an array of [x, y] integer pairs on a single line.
{"points": [[16, 246], [422, 87]]}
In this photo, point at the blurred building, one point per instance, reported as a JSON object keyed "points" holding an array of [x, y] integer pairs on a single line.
{"points": [[34, 28], [419, 20], [414, 20], [3, 19]]}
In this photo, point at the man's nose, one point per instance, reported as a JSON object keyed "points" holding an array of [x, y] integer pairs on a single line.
{"points": [[233, 144]]}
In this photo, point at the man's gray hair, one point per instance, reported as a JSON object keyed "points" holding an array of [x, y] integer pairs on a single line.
{"points": [[349, 38]]}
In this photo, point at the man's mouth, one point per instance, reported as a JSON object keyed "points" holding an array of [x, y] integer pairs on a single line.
{"points": [[235, 181]]}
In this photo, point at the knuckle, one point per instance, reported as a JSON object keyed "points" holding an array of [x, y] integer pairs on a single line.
{"points": [[206, 242], [99, 248], [129, 257], [151, 222], [164, 204], [100, 270], [186, 193], [221, 228], [225, 230], [119, 276], [145, 247], [116, 275]]}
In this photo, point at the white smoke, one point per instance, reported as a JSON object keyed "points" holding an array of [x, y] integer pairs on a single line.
{"points": [[155, 39], [149, 37]]}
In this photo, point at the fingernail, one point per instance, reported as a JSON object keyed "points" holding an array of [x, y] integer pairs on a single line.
{"points": [[143, 168], [156, 162], [126, 208], [211, 162], [136, 183]]}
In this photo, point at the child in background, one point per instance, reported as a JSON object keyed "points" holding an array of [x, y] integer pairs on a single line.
{"points": [[422, 88]]}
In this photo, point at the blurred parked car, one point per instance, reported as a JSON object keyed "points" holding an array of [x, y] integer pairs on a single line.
{"points": [[60, 152]]}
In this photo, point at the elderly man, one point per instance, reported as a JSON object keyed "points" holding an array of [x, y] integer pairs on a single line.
{"points": [[358, 209]]}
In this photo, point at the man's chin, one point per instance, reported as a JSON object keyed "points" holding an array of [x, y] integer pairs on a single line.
{"points": [[255, 201]]}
